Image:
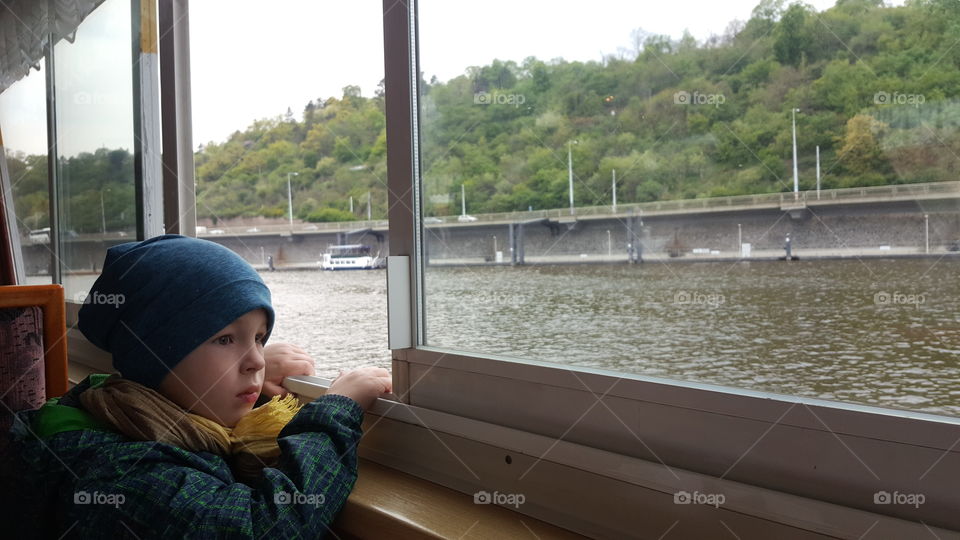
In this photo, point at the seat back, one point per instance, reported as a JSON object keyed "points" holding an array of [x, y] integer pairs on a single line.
{"points": [[33, 368], [33, 348], [22, 378]]}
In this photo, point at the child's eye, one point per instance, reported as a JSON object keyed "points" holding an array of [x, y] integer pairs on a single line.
{"points": [[259, 339], [223, 340]]}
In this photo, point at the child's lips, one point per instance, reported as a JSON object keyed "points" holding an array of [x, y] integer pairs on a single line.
{"points": [[249, 395]]}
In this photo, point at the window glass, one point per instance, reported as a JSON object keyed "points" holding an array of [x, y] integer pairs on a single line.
{"points": [[93, 82], [758, 196], [288, 125], [23, 124]]}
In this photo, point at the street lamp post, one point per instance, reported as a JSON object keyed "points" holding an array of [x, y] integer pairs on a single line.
{"points": [[570, 172], [103, 216], [796, 182], [614, 190], [290, 198], [818, 172]]}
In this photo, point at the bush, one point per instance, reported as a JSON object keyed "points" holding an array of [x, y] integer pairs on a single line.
{"points": [[330, 214], [273, 212]]}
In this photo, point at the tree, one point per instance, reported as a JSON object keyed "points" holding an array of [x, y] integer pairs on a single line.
{"points": [[792, 37], [860, 153]]}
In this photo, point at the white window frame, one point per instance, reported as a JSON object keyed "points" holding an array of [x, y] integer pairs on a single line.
{"points": [[825, 452]]}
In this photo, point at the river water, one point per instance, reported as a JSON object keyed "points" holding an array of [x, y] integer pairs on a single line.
{"points": [[880, 332]]}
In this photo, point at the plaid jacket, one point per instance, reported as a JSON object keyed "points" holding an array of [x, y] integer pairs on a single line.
{"points": [[95, 483]]}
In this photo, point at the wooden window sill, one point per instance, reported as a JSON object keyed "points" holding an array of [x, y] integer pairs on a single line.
{"points": [[387, 503]]}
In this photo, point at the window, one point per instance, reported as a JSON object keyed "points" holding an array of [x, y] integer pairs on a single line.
{"points": [[94, 201], [95, 144], [288, 130], [581, 173], [23, 127], [458, 163]]}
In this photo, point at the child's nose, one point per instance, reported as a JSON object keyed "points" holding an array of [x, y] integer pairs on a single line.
{"points": [[253, 360]]}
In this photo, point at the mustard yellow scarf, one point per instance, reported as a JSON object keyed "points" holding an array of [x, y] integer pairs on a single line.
{"points": [[144, 414]]}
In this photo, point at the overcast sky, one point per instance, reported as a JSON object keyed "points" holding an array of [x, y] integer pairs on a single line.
{"points": [[251, 62]]}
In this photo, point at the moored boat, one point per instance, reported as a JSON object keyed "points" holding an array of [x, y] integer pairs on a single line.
{"points": [[351, 257]]}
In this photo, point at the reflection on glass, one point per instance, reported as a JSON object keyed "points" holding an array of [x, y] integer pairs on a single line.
{"points": [[24, 130], [569, 183], [94, 95]]}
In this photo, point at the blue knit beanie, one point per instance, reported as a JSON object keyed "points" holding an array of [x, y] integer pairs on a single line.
{"points": [[159, 299]]}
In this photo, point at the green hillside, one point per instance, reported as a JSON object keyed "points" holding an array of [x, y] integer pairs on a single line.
{"points": [[511, 154], [876, 88]]}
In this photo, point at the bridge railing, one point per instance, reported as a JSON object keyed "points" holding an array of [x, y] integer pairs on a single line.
{"points": [[298, 227], [773, 200], [897, 191], [762, 200]]}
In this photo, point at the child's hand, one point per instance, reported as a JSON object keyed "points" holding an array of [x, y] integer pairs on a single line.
{"points": [[362, 385], [284, 360]]}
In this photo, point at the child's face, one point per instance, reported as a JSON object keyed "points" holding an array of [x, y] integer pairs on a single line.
{"points": [[221, 379]]}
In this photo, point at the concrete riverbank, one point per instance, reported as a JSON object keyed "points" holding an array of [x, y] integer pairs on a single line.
{"points": [[719, 257], [698, 230]]}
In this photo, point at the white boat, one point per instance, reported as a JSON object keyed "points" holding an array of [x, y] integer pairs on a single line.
{"points": [[351, 257]]}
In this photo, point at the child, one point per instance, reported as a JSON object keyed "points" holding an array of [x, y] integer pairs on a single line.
{"points": [[173, 448]]}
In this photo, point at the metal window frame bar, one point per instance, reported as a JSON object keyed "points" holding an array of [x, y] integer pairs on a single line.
{"points": [[147, 160], [402, 163], [53, 162], [179, 194]]}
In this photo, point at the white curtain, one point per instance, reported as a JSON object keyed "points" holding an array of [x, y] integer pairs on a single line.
{"points": [[26, 27]]}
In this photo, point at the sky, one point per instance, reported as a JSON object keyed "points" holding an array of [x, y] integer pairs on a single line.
{"points": [[248, 62]]}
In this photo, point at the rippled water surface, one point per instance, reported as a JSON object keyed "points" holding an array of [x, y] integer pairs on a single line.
{"points": [[879, 332], [340, 318]]}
